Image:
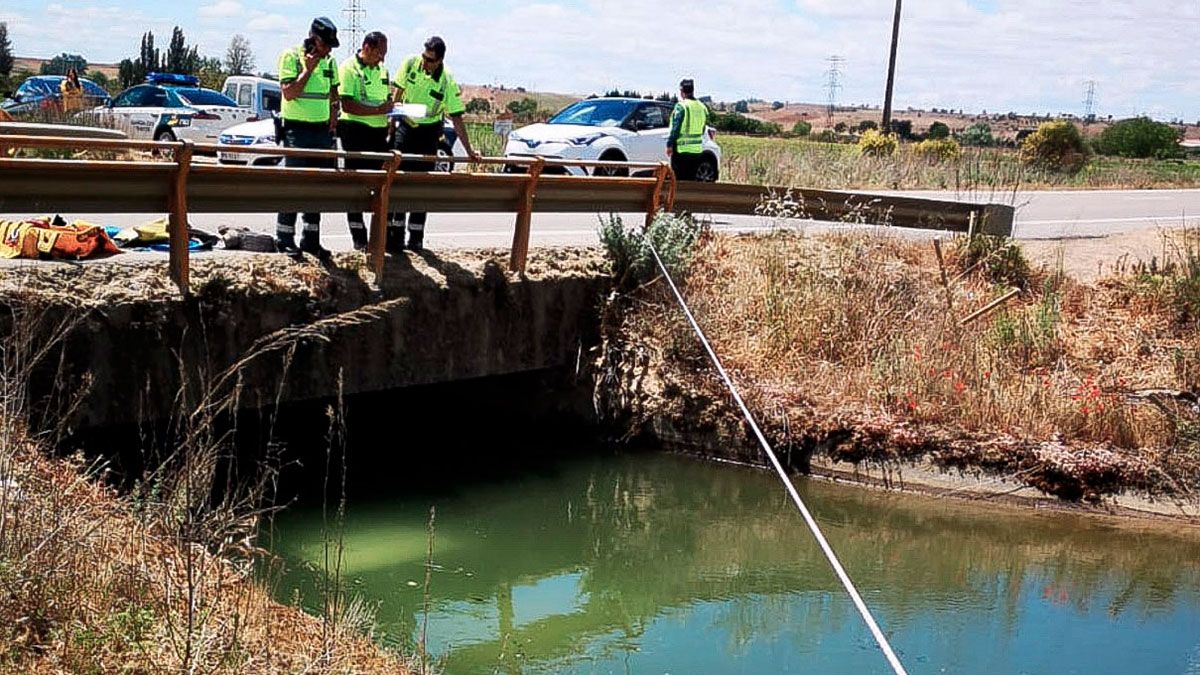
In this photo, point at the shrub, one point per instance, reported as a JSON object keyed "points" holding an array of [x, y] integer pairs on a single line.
{"points": [[841, 127], [1140, 138], [478, 106], [524, 108], [978, 135], [938, 131], [902, 128], [876, 144], [867, 125], [941, 150], [674, 237], [1055, 146], [740, 124], [802, 128], [827, 136], [999, 259]]}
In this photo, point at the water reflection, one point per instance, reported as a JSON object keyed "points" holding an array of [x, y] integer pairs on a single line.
{"points": [[663, 564]]}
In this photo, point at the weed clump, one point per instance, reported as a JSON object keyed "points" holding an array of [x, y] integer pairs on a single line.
{"points": [[675, 237], [1055, 146]]}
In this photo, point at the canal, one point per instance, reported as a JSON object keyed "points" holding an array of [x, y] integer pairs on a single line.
{"points": [[653, 563]]}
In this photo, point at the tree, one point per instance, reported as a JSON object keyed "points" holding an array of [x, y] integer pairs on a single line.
{"points": [[149, 59], [60, 64], [6, 53], [841, 127], [479, 106], [939, 131], [742, 107], [126, 73], [867, 125], [1141, 138], [802, 128], [524, 108], [99, 78], [978, 135], [211, 72], [239, 60], [902, 128], [181, 59]]}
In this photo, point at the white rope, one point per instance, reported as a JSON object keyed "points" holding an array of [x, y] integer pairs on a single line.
{"points": [[808, 518]]}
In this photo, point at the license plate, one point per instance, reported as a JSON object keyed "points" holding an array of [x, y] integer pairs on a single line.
{"points": [[235, 157]]}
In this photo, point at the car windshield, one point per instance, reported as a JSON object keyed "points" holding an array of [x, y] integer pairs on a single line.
{"points": [[595, 113], [204, 97]]}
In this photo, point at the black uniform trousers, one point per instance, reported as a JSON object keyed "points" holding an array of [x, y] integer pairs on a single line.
{"points": [[359, 137], [422, 139]]}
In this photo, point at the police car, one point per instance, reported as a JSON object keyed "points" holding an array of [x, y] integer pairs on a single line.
{"points": [[261, 134], [171, 107]]}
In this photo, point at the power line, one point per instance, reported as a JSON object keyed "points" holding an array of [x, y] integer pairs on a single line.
{"points": [[354, 13], [833, 83]]}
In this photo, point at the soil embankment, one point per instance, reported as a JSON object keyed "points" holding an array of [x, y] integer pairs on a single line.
{"points": [[855, 355]]}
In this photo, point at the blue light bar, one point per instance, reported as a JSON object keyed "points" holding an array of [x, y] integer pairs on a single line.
{"points": [[173, 78]]}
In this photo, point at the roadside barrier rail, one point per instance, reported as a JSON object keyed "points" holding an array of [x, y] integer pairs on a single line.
{"points": [[162, 177]]}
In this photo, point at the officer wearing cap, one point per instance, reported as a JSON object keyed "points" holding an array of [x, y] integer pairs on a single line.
{"points": [[366, 101], [424, 80], [685, 143], [308, 76]]}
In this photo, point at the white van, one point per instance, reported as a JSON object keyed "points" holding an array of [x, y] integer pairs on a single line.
{"points": [[260, 95]]}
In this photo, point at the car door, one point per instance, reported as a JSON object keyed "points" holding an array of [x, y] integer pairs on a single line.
{"points": [[136, 111], [649, 140]]}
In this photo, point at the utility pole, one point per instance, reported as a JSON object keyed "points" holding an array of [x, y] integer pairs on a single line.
{"points": [[891, 78], [1089, 103], [833, 85], [354, 14]]}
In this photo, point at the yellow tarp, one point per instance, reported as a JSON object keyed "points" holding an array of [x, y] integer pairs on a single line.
{"points": [[44, 239]]}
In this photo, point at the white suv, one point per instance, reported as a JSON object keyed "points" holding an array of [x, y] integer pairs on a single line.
{"points": [[612, 129]]}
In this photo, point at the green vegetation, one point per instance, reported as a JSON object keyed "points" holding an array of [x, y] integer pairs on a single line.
{"points": [[802, 128], [938, 150], [938, 131], [740, 124], [675, 237], [1140, 138], [978, 135], [876, 144], [479, 106], [6, 59], [1055, 146]]}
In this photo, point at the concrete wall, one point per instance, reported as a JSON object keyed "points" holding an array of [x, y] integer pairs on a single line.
{"points": [[427, 322]]}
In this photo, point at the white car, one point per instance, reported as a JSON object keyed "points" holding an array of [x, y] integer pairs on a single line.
{"points": [[172, 107], [262, 134], [612, 129]]}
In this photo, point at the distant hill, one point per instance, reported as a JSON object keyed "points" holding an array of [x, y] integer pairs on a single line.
{"points": [[499, 96], [35, 66]]}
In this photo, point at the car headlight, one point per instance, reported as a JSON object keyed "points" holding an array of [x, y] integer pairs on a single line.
{"points": [[265, 140], [585, 140]]}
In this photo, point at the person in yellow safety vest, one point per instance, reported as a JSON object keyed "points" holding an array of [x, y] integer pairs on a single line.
{"points": [[685, 143], [308, 76], [424, 80], [366, 101], [72, 92]]}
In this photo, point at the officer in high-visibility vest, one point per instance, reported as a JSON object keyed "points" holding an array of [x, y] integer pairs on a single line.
{"points": [[424, 80], [685, 143], [308, 76], [363, 125]]}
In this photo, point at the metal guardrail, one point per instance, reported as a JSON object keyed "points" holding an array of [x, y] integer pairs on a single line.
{"points": [[166, 180]]}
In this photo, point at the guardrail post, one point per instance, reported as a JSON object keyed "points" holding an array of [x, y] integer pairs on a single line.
{"points": [[660, 176], [178, 221], [520, 245], [379, 219]]}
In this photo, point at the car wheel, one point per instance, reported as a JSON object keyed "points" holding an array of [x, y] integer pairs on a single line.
{"points": [[611, 171], [165, 136], [707, 171]]}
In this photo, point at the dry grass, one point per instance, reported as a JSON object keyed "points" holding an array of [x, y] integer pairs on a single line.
{"points": [[983, 171], [166, 578], [856, 336]]}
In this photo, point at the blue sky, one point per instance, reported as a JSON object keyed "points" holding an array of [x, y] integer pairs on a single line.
{"points": [[994, 55]]}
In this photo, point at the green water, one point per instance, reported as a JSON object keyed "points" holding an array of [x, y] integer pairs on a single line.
{"points": [[659, 564]]}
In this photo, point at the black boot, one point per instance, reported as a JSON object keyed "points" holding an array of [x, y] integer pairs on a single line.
{"points": [[416, 240], [286, 243], [359, 235], [395, 240], [310, 242]]}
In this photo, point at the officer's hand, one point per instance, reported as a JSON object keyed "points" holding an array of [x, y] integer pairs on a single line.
{"points": [[475, 156], [311, 60]]}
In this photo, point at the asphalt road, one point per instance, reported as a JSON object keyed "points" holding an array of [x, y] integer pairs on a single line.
{"points": [[1040, 216]]}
